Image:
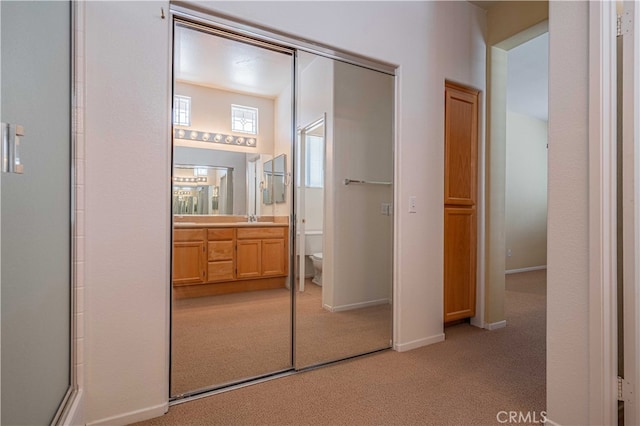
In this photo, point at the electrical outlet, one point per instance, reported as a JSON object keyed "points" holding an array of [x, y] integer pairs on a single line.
{"points": [[412, 204], [509, 253]]}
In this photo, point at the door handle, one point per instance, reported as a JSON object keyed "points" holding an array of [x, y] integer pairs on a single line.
{"points": [[10, 148]]}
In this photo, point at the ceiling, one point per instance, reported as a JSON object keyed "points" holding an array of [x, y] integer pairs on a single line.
{"points": [[212, 61], [528, 78]]}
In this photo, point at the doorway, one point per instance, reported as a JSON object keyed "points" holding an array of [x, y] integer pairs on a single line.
{"points": [[238, 312]]}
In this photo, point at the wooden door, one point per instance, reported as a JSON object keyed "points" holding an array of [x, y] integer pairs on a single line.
{"points": [[460, 194], [459, 262], [461, 146]]}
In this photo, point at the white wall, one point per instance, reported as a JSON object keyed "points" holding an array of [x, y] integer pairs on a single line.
{"points": [[568, 230], [211, 112], [127, 183], [526, 192], [127, 246]]}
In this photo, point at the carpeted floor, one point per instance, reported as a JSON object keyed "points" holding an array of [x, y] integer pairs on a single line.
{"points": [[467, 379], [224, 339]]}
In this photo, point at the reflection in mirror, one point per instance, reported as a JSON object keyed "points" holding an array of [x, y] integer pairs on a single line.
{"points": [[267, 187], [237, 176], [231, 292], [202, 190], [343, 303], [279, 174]]}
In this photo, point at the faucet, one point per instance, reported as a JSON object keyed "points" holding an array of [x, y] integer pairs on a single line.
{"points": [[252, 218]]}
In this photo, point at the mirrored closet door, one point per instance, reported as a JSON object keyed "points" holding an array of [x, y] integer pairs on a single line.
{"points": [[344, 209], [231, 293], [253, 293]]}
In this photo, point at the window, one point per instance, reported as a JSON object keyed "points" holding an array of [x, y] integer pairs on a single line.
{"points": [[315, 162], [181, 110], [244, 119]]}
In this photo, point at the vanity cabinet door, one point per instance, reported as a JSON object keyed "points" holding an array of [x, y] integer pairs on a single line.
{"points": [[249, 257], [189, 256], [188, 262], [273, 257]]}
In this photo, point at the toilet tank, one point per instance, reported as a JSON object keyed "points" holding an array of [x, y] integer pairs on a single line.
{"points": [[313, 242]]}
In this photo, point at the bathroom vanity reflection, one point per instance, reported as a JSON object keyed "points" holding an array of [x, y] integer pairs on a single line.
{"points": [[211, 258], [221, 182]]}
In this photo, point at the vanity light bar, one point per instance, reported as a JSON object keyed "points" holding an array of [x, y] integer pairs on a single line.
{"points": [[195, 135], [190, 179]]}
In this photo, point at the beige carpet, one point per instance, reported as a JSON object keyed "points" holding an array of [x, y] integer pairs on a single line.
{"points": [[465, 380], [224, 339]]}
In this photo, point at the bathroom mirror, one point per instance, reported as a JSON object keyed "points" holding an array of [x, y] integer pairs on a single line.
{"points": [[226, 182], [279, 174], [267, 182], [202, 190], [274, 186]]}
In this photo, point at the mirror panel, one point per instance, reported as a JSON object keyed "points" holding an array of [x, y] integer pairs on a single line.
{"points": [[344, 298], [231, 292]]}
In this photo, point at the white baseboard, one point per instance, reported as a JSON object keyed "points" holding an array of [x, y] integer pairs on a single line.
{"points": [[495, 325], [75, 415], [404, 347], [133, 416], [529, 269], [477, 321], [359, 305]]}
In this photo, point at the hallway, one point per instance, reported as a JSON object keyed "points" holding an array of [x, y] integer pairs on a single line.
{"points": [[467, 379]]}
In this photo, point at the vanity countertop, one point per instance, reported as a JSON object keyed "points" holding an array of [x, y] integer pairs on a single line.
{"points": [[227, 225]]}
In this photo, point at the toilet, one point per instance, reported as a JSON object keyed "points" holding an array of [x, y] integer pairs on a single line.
{"points": [[316, 259], [313, 249]]}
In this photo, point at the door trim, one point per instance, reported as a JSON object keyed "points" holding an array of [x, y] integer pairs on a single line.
{"points": [[631, 206], [602, 326]]}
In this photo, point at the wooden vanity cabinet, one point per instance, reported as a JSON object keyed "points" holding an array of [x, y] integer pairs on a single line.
{"points": [[220, 260], [189, 261], [221, 249], [262, 252]]}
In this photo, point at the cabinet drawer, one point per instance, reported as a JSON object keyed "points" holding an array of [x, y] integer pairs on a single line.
{"points": [[272, 232], [220, 234], [221, 271], [220, 250], [196, 234]]}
